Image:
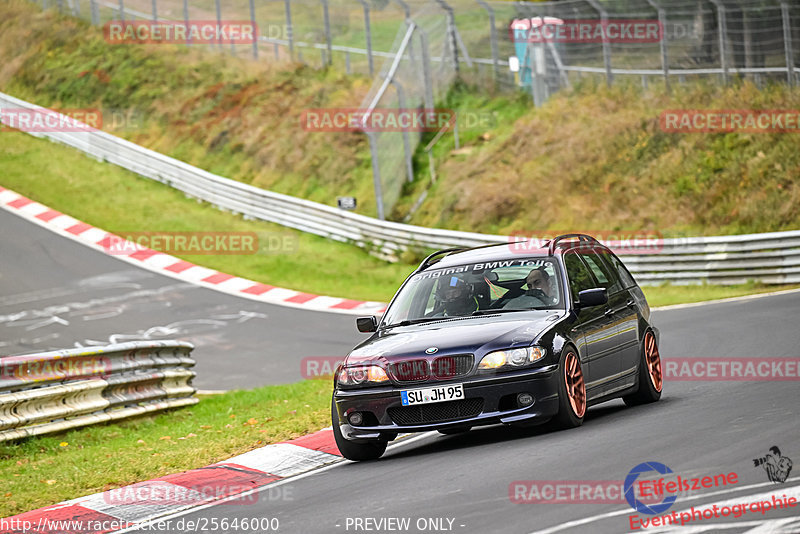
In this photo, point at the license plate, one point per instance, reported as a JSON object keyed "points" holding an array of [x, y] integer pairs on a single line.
{"points": [[435, 394]]}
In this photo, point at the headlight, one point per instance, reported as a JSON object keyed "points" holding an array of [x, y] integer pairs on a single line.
{"points": [[364, 374], [512, 358]]}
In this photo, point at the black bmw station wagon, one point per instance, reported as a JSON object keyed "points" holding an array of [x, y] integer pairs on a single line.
{"points": [[498, 334]]}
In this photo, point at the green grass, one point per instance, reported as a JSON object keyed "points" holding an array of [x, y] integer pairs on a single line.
{"points": [[668, 294], [118, 201], [45, 470]]}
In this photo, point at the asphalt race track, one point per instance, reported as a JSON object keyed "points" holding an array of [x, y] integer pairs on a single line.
{"points": [[438, 483], [58, 294]]}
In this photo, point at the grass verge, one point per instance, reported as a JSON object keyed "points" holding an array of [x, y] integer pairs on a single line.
{"points": [[119, 201], [49, 469]]}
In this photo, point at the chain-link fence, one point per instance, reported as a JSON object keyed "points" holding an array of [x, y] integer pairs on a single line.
{"points": [[415, 48]]}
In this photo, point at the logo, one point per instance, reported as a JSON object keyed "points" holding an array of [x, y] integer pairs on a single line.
{"points": [[777, 467], [431, 350], [635, 503]]}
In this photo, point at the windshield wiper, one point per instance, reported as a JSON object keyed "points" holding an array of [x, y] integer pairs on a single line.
{"points": [[504, 310], [409, 322]]}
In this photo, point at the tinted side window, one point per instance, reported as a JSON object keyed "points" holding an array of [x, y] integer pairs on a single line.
{"points": [[579, 276], [606, 276], [625, 276]]}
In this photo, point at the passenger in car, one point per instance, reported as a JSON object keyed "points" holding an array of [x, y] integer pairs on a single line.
{"points": [[540, 292]]}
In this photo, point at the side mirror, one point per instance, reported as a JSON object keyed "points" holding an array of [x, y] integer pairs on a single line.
{"points": [[367, 324], [593, 297]]}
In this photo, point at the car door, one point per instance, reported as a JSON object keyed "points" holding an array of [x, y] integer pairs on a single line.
{"points": [[630, 326], [622, 312], [593, 326]]}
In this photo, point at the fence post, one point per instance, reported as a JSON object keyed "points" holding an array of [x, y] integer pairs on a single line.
{"points": [[154, 3], [787, 42], [186, 21], [722, 28], [492, 39], [327, 22], [368, 32], [662, 20], [121, 9], [93, 11], [426, 68], [606, 46], [407, 13], [376, 173], [253, 22], [451, 30], [219, 20], [401, 97], [289, 32]]}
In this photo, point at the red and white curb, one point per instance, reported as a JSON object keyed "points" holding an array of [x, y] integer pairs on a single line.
{"points": [[124, 507], [165, 264]]}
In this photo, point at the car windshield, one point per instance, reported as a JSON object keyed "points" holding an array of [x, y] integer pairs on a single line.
{"points": [[478, 289]]}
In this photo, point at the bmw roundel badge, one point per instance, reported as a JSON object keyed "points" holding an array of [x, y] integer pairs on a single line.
{"points": [[431, 350]]}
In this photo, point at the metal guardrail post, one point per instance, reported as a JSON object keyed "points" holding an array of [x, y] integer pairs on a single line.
{"points": [[253, 22], [401, 97], [326, 19], [662, 20], [722, 28], [451, 30], [606, 46], [368, 34], [492, 39], [376, 174], [289, 31], [787, 42]]}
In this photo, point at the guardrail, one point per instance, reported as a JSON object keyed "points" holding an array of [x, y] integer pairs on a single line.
{"points": [[772, 258], [60, 390]]}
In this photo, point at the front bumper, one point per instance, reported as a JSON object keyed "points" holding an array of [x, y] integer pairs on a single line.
{"points": [[497, 392]]}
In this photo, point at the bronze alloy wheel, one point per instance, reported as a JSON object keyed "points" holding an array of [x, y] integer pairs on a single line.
{"points": [[653, 360], [573, 379]]}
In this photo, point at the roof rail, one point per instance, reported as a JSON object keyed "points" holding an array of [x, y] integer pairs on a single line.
{"points": [[584, 238], [427, 261]]}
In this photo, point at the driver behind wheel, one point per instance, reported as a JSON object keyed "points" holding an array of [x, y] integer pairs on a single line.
{"points": [[455, 298], [539, 293]]}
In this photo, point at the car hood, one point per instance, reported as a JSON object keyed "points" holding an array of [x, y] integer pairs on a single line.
{"points": [[456, 336]]}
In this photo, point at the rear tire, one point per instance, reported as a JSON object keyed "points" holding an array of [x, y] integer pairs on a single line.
{"points": [[355, 450], [571, 391], [650, 378]]}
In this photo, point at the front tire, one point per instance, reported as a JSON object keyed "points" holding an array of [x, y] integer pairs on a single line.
{"points": [[571, 391], [650, 377], [355, 450]]}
